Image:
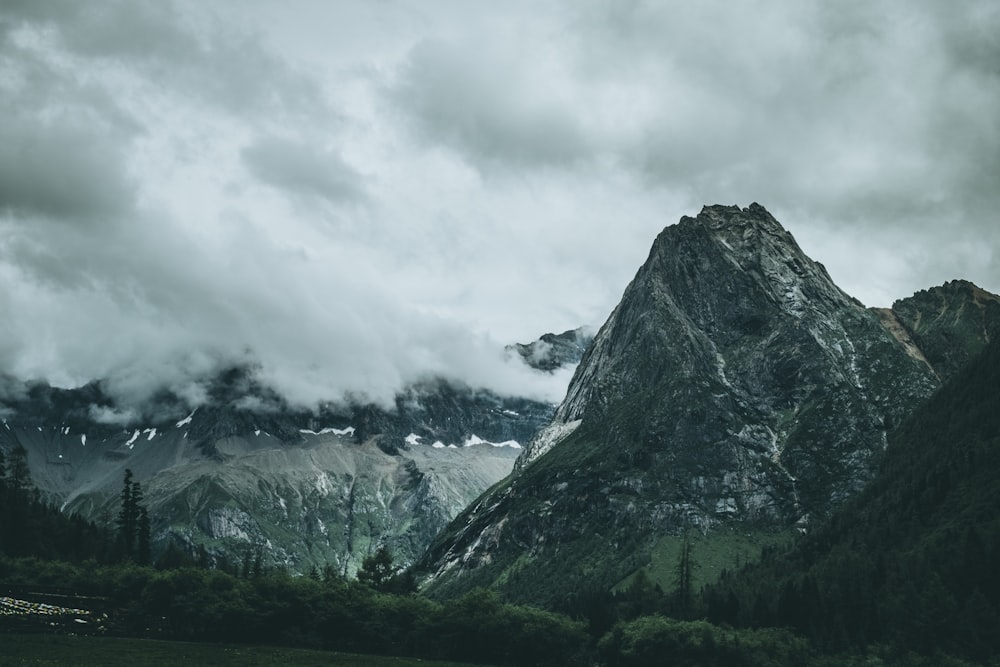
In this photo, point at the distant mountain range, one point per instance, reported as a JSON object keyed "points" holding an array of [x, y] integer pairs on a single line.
{"points": [[246, 472]]}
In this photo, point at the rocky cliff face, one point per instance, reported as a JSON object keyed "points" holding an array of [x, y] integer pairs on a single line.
{"points": [[734, 385], [245, 471]]}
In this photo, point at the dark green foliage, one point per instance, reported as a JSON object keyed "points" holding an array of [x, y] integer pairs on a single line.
{"points": [[657, 640], [210, 605], [684, 590], [912, 560], [29, 527], [376, 570], [133, 522]]}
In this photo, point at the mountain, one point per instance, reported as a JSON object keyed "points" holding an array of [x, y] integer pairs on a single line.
{"points": [[912, 558], [949, 325], [735, 389], [554, 351], [245, 471]]}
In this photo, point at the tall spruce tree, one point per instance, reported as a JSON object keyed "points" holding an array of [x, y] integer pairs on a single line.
{"points": [[684, 587], [133, 522], [19, 475]]}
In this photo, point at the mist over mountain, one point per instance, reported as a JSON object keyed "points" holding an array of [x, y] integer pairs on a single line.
{"points": [[230, 465]]}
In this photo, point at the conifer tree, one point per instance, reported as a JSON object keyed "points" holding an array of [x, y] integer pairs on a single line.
{"points": [[376, 569], [684, 588], [133, 522], [18, 474]]}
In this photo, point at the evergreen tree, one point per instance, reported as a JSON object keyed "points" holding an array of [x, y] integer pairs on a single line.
{"points": [[684, 587], [133, 522], [376, 570], [19, 475], [142, 548]]}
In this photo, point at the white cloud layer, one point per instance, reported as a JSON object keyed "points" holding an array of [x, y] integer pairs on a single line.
{"points": [[361, 194]]}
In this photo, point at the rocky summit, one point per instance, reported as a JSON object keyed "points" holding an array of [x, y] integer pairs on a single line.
{"points": [[734, 388]]}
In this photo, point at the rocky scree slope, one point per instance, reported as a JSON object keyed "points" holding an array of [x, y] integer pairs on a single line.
{"points": [[734, 385], [246, 472]]}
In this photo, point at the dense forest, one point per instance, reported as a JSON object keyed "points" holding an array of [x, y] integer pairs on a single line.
{"points": [[905, 574]]}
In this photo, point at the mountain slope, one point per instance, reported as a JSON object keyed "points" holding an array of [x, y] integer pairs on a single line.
{"points": [[734, 385], [245, 471], [911, 559]]}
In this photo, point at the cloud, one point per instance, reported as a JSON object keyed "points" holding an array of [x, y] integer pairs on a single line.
{"points": [[489, 103], [185, 186], [302, 169], [63, 143], [178, 45], [62, 169]]}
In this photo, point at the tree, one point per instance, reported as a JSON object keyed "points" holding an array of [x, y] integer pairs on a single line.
{"points": [[133, 522], [684, 587], [376, 570], [142, 547], [18, 474]]}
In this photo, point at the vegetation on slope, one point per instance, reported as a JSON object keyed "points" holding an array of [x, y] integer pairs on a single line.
{"points": [[912, 559]]}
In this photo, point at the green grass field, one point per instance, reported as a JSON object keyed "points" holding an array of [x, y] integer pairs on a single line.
{"points": [[53, 650], [725, 549]]}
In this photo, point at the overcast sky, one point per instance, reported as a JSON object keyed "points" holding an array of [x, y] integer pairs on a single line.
{"points": [[354, 194]]}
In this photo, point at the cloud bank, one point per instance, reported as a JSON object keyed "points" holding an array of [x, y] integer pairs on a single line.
{"points": [[357, 196]]}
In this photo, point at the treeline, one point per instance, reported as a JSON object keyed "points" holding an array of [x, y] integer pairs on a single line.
{"points": [[31, 527], [329, 612]]}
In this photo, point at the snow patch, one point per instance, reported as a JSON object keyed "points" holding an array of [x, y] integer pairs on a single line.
{"points": [[131, 441], [83, 439], [412, 439], [257, 432], [548, 438], [439, 445], [336, 431], [187, 420], [476, 440], [151, 432]]}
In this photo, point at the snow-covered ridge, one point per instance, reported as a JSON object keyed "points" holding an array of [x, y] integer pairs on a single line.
{"points": [[413, 439], [349, 431]]}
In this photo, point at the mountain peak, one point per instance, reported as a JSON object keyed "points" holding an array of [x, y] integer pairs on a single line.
{"points": [[734, 384]]}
